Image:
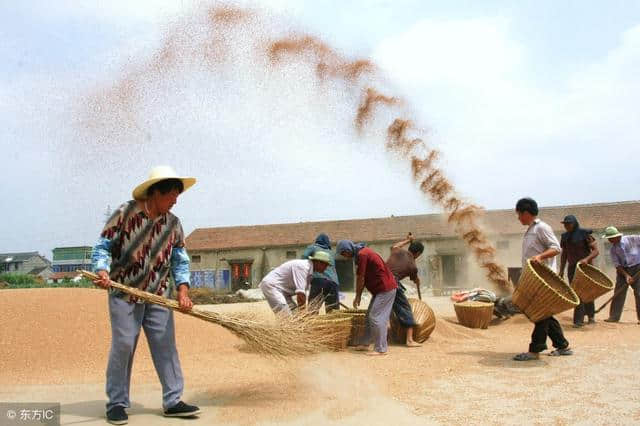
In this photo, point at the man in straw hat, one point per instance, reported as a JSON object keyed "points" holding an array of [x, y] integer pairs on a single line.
{"points": [[578, 247], [292, 278], [374, 274], [540, 245], [402, 264], [625, 255], [140, 245]]}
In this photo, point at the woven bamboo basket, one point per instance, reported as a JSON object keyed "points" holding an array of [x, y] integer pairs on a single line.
{"points": [[425, 318], [337, 326], [358, 323], [474, 314], [589, 283], [541, 293]]}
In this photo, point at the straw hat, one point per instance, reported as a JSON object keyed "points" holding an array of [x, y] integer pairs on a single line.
{"points": [[157, 174], [321, 256], [611, 232]]}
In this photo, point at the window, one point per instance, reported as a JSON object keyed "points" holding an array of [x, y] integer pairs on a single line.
{"points": [[503, 245], [195, 258], [291, 254]]}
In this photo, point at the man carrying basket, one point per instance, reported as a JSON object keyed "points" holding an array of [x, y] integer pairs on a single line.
{"points": [[540, 245]]}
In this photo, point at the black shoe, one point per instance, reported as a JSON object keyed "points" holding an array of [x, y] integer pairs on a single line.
{"points": [[592, 320], [577, 325], [117, 416], [611, 320], [182, 410]]}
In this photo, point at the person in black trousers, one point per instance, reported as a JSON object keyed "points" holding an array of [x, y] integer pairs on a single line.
{"points": [[578, 247]]}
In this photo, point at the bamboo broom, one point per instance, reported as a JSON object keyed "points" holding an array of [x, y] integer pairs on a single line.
{"points": [[294, 335]]}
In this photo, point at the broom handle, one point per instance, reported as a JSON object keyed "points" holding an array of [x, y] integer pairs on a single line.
{"points": [[344, 306], [172, 304], [620, 291]]}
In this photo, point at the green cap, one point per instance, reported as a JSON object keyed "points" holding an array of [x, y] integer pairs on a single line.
{"points": [[611, 232], [321, 256]]}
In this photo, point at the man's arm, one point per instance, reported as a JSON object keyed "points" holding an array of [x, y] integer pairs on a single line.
{"points": [[548, 253], [301, 298], [100, 261], [563, 262], [181, 275], [300, 280], [402, 243], [362, 267], [594, 252], [359, 289]]}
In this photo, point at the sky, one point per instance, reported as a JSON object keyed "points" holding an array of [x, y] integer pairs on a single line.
{"points": [[528, 98]]}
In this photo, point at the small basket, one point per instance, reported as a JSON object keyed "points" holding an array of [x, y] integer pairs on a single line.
{"points": [[474, 314], [541, 293], [358, 323], [589, 283], [425, 320], [338, 326]]}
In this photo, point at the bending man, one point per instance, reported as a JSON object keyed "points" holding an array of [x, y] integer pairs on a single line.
{"points": [[373, 274], [402, 264], [292, 279]]}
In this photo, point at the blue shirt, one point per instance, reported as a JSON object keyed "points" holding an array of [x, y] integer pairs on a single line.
{"points": [[627, 252], [329, 273]]}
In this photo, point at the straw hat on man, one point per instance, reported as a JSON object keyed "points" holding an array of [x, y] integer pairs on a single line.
{"points": [[140, 245]]}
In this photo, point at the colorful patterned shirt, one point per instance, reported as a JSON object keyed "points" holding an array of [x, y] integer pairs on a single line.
{"points": [[141, 252]]}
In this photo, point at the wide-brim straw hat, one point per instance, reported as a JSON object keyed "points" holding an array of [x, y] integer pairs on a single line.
{"points": [[156, 175], [321, 256], [611, 232]]}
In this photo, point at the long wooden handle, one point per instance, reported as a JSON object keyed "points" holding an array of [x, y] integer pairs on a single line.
{"points": [[617, 293], [150, 297]]}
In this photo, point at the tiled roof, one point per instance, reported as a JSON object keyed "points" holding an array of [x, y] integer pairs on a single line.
{"points": [[624, 215], [17, 257]]}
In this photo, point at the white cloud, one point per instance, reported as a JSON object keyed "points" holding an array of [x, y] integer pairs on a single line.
{"points": [[461, 53], [496, 123]]}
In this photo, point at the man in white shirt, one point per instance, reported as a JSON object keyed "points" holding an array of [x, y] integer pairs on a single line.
{"points": [[540, 245], [292, 278]]}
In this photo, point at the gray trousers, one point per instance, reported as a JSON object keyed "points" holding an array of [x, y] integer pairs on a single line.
{"points": [[377, 318], [617, 304], [157, 321]]}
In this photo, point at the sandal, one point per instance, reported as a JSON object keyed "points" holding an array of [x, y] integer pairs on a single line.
{"points": [[525, 356], [561, 352]]}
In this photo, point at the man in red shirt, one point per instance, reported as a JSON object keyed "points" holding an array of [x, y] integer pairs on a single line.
{"points": [[372, 273]]}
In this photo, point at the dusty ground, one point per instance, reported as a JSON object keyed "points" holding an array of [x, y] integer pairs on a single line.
{"points": [[54, 345]]}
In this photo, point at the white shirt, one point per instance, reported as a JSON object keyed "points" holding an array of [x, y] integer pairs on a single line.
{"points": [[291, 277], [538, 239]]}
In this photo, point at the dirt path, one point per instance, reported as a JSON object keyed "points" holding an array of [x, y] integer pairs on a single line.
{"points": [[54, 345]]}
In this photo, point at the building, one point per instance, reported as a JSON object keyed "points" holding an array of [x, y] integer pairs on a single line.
{"points": [[244, 254], [69, 259], [25, 263]]}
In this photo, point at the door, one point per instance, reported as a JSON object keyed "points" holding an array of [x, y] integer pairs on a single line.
{"points": [[344, 268], [240, 275]]}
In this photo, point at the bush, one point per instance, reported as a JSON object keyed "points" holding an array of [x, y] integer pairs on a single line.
{"points": [[13, 280]]}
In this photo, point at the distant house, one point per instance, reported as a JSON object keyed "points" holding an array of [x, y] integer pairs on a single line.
{"points": [[43, 272], [229, 257], [70, 259], [25, 263]]}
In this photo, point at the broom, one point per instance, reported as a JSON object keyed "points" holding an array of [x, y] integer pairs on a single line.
{"points": [[289, 336]]}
